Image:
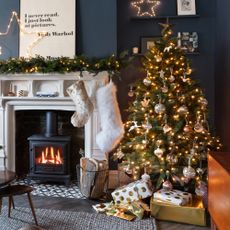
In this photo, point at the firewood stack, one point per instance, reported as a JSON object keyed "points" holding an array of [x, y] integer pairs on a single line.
{"points": [[93, 177]]}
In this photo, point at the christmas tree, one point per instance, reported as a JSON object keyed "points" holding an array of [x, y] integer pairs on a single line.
{"points": [[167, 133]]}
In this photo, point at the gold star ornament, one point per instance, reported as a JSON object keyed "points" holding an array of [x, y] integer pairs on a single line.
{"points": [[145, 7]]}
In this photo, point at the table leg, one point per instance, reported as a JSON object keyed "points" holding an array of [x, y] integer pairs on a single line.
{"points": [[32, 207], [0, 205], [13, 203], [9, 208]]}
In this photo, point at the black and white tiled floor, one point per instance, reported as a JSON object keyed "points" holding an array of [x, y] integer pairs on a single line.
{"points": [[53, 190]]}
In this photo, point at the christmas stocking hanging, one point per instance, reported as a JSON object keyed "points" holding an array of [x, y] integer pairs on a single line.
{"points": [[112, 128], [84, 106]]}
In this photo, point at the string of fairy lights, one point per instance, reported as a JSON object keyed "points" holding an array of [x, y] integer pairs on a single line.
{"points": [[167, 133], [39, 34], [145, 7]]}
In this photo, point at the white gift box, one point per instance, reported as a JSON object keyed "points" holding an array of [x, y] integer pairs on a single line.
{"points": [[175, 197], [132, 192]]}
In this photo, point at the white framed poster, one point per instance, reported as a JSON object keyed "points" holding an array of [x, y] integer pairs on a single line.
{"points": [[186, 7], [49, 28]]}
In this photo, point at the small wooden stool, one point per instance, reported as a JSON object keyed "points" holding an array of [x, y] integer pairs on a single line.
{"points": [[15, 190]]}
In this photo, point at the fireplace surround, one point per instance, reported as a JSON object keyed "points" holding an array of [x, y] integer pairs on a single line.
{"points": [[33, 83]]}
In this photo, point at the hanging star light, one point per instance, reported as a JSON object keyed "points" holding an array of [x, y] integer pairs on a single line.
{"points": [[39, 35], [145, 7]]}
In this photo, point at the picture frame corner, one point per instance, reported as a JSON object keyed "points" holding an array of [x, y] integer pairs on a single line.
{"points": [[146, 42]]}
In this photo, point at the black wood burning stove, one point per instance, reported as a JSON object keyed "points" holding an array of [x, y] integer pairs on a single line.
{"points": [[49, 153]]}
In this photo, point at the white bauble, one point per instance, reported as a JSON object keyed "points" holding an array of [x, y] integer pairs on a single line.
{"points": [[147, 82], [145, 177], [158, 152], [204, 101], [167, 185], [189, 172], [147, 126], [159, 108], [182, 110], [167, 128], [171, 78], [164, 89]]}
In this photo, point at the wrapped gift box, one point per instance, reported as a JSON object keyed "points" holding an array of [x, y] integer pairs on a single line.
{"points": [[138, 208], [121, 214], [175, 197], [193, 213], [132, 192], [103, 207]]}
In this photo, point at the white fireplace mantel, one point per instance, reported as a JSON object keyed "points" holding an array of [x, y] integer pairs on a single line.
{"points": [[31, 84]]}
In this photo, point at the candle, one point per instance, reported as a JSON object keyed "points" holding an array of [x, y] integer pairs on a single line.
{"points": [[135, 50]]}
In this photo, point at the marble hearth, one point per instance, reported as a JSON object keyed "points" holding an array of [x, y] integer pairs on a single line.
{"points": [[31, 84]]}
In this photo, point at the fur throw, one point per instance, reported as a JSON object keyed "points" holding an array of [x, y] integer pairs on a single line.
{"points": [[112, 128]]}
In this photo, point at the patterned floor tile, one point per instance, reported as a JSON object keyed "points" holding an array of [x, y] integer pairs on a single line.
{"points": [[53, 190]]}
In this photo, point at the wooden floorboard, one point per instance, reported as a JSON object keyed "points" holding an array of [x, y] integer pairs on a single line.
{"points": [[86, 205]]}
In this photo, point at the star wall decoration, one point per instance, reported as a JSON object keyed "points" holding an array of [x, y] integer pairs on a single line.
{"points": [[39, 35], [145, 7]]}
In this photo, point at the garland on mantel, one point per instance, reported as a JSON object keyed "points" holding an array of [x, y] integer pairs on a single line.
{"points": [[40, 64]]}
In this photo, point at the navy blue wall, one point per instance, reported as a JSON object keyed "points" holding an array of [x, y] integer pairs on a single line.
{"points": [[96, 28], [104, 27], [131, 30], [9, 43], [222, 73]]}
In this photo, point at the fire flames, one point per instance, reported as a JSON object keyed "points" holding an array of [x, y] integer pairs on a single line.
{"points": [[50, 155]]}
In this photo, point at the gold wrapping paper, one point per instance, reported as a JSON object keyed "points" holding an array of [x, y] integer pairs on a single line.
{"points": [[135, 208], [193, 213], [121, 214]]}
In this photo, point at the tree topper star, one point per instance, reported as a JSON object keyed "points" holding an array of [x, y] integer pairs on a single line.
{"points": [[146, 7], [165, 26]]}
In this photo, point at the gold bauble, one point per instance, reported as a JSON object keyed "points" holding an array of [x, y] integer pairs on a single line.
{"points": [[187, 128], [183, 110], [171, 78], [158, 58], [159, 108]]}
